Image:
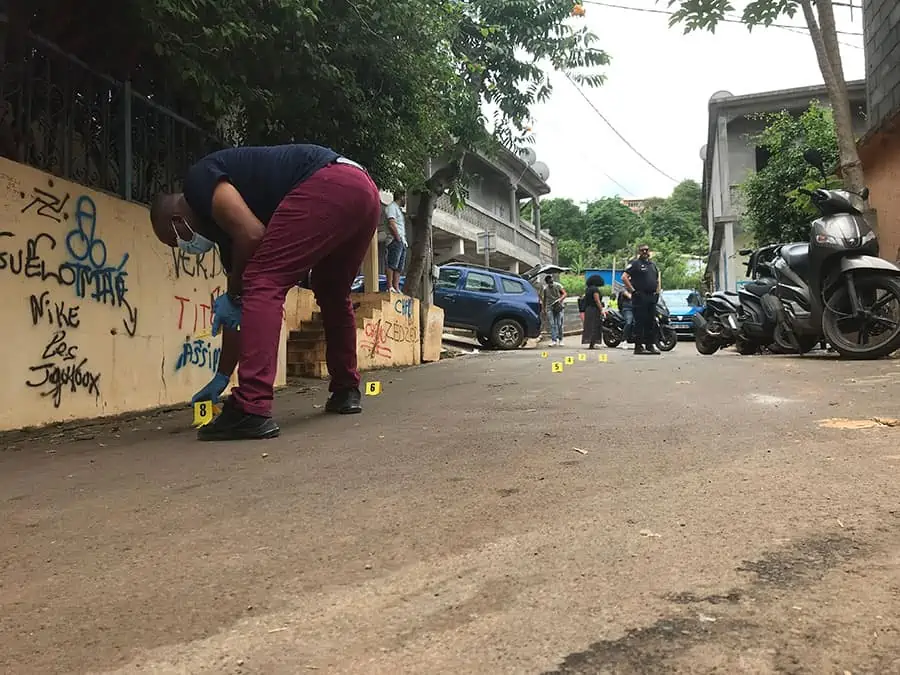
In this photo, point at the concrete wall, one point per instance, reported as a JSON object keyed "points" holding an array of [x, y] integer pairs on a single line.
{"points": [[882, 166], [98, 317], [881, 24]]}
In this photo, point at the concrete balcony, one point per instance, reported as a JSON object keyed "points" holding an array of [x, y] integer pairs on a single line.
{"points": [[456, 233]]}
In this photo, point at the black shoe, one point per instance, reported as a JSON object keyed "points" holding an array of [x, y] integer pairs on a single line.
{"points": [[344, 402], [639, 349], [653, 350], [233, 424]]}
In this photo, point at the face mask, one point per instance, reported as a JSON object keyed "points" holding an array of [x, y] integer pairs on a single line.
{"points": [[198, 244]]}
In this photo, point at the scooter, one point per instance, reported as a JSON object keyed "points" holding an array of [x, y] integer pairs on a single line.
{"points": [[836, 286], [614, 328], [717, 325], [757, 329]]}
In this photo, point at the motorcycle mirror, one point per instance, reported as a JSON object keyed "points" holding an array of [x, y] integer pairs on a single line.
{"points": [[814, 158], [865, 193], [745, 251]]}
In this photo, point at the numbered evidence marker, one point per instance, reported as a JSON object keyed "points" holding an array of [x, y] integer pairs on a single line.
{"points": [[582, 357], [570, 360], [602, 358], [544, 355], [373, 388], [204, 412], [557, 367]]}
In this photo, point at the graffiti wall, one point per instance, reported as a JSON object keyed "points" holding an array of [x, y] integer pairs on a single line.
{"points": [[98, 317], [387, 331]]}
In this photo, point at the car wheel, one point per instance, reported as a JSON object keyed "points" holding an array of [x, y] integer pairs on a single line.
{"points": [[508, 334]]}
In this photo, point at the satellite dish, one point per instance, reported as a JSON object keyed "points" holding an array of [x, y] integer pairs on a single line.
{"points": [[721, 94], [703, 153], [542, 170], [528, 155]]}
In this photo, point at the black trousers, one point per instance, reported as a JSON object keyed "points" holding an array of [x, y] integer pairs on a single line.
{"points": [[644, 318]]}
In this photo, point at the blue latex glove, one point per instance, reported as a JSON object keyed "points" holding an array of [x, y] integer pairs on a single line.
{"points": [[213, 390], [225, 313]]}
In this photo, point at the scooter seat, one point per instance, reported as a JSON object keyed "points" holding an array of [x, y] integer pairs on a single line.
{"points": [[758, 288], [797, 258]]}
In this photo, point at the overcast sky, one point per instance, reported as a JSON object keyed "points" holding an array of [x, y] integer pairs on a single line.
{"points": [[656, 94]]}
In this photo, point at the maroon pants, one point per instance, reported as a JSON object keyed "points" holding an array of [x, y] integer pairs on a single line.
{"points": [[325, 225]]}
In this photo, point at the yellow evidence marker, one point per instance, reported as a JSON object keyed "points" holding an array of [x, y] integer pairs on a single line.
{"points": [[373, 388], [204, 413], [602, 358], [557, 367], [582, 357], [544, 355], [570, 360]]}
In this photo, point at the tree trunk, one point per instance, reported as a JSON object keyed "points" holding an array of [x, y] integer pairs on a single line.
{"points": [[419, 277], [824, 38]]}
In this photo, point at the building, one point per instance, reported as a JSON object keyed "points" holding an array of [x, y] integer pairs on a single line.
{"points": [[729, 156], [879, 149], [499, 189], [636, 205]]}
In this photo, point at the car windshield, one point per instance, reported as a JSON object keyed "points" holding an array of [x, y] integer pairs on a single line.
{"points": [[677, 298]]}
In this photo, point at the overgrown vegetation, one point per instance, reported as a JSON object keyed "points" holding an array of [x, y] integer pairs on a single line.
{"points": [[774, 209]]}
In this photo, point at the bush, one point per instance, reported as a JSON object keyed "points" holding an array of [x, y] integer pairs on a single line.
{"points": [[573, 283]]}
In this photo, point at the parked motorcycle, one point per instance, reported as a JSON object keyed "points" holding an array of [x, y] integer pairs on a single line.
{"points": [[739, 318], [614, 328], [836, 286]]}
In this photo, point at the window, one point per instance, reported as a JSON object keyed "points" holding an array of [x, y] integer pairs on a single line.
{"points": [[476, 281], [448, 278], [512, 286]]}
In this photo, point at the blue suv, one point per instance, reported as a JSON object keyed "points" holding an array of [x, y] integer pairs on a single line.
{"points": [[502, 308]]}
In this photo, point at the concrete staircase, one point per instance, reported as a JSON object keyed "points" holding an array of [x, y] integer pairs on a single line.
{"points": [[306, 349]]}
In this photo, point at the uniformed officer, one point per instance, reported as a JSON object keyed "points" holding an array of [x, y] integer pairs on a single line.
{"points": [[642, 281]]}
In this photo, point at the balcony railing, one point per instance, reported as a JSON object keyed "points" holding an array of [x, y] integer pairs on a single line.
{"points": [[483, 220]]}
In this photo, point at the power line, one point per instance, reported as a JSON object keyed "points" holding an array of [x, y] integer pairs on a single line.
{"points": [[616, 131], [727, 19]]}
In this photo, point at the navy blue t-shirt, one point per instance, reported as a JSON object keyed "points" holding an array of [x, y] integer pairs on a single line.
{"points": [[263, 175]]}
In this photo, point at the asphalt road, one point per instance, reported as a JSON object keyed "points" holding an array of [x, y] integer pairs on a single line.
{"points": [[679, 514]]}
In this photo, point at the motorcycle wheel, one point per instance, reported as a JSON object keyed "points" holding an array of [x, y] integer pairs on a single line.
{"points": [[746, 347], [706, 344], [612, 338], [875, 292], [784, 344], [667, 340]]}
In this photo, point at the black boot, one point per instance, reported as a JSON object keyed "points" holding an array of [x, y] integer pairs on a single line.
{"points": [[639, 348], [651, 349], [233, 424], [344, 402]]}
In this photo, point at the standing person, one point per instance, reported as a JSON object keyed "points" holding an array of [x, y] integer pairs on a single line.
{"points": [[552, 297], [641, 279], [594, 311], [397, 245], [627, 310], [275, 213]]}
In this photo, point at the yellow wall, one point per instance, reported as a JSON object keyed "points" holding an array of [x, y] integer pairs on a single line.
{"points": [[98, 317]]}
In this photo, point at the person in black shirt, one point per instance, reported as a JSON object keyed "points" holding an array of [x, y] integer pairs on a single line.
{"points": [[641, 279], [276, 213], [594, 312]]}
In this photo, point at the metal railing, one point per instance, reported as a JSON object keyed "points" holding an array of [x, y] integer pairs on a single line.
{"points": [[483, 220], [60, 116]]}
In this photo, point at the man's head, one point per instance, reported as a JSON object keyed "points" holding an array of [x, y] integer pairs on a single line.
{"points": [[173, 223], [548, 279], [644, 252], [400, 198]]}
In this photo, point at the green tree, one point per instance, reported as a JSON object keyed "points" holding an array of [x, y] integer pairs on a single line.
{"points": [[612, 225], [579, 255], [819, 16], [774, 209], [678, 218], [563, 218]]}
